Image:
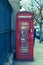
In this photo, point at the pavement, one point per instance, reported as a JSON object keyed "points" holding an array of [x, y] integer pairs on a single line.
{"points": [[38, 56]]}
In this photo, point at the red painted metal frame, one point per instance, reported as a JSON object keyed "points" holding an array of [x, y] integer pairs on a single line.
{"points": [[30, 36]]}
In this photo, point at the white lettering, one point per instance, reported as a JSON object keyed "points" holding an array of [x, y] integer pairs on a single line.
{"points": [[24, 16]]}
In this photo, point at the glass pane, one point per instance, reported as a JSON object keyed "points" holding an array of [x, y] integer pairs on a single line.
{"points": [[24, 23], [24, 27], [24, 48], [23, 40], [23, 33]]}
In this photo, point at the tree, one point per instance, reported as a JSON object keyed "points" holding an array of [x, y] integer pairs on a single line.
{"points": [[36, 7]]}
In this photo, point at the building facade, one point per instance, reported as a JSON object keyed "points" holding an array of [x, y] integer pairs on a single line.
{"points": [[5, 28]]}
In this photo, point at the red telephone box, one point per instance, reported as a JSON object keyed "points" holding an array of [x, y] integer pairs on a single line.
{"points": [[24, 36]]}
